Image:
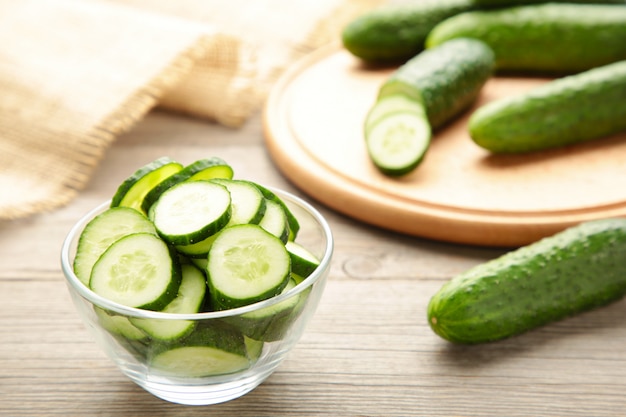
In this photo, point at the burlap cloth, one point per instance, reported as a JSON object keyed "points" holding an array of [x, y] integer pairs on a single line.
{"points": [[74, 74]]}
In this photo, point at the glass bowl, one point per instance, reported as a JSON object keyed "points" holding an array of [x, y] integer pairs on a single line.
{"points": [[258, 345]]}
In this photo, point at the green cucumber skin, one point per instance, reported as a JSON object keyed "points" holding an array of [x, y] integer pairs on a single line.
{"points": [[507, 3], [395, 33], [446, 79], [568, 110], [552, 37], [578, 269]]}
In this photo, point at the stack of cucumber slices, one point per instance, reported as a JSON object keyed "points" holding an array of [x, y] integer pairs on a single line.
{"points": [[192, 239]]}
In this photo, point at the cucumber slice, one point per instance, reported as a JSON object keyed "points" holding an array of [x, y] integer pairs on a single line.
{"points": [[189, 300], [303, 262], [203, 169], [216, 168], [271, 323], [394, 103], [120, 325], [133, 190], [294, 225], [275, 220], [246, 264], [197, 250], [101, 232], [208, 351], [138, 270], [191, 211], [248, 204], [398, 142]]}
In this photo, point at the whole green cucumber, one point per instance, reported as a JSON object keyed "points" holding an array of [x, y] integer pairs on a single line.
{"points": [[396, 32], [580, 268], [572, 109], [421, 95], [506, 3], [551, 37]]}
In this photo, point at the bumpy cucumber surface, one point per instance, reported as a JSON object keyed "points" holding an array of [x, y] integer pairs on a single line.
{"points": [[577, 108], [506, 3], [446, 79], [576, 270], [397, 32], [551, 37]]}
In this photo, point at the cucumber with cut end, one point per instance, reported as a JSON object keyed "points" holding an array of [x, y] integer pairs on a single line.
{"points": [[578, 269], [139, 270], [102, 231], [191, 211], [133, 190], [422, 95], [190, 299], [246, 264], [210, 350], [202, 169], [577, 108]]}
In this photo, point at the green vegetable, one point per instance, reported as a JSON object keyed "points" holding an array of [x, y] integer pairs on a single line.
{"points": [[578, 269], [551, 37], [397, 32], [421, 95], [577, 108], [506, 3]]}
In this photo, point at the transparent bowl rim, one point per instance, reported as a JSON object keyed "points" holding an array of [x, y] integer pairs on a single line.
{"points": [[89, 295]]}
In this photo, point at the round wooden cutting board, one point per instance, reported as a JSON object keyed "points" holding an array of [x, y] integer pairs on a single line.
{"points": [[460, 193]]}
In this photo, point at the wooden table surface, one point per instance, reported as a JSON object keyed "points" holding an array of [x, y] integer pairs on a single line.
{"points": [[367, 352]]}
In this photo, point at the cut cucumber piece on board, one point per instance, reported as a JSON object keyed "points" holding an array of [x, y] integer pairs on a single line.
{"points": [[422, 95], [398, 143]]}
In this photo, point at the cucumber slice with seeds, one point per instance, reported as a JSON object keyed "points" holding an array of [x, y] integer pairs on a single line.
{"points": [[102, 231], [190, 299], [203, 169], [398, 142], [246, 264], [133, 190], [191, 211], [138, 270]]}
